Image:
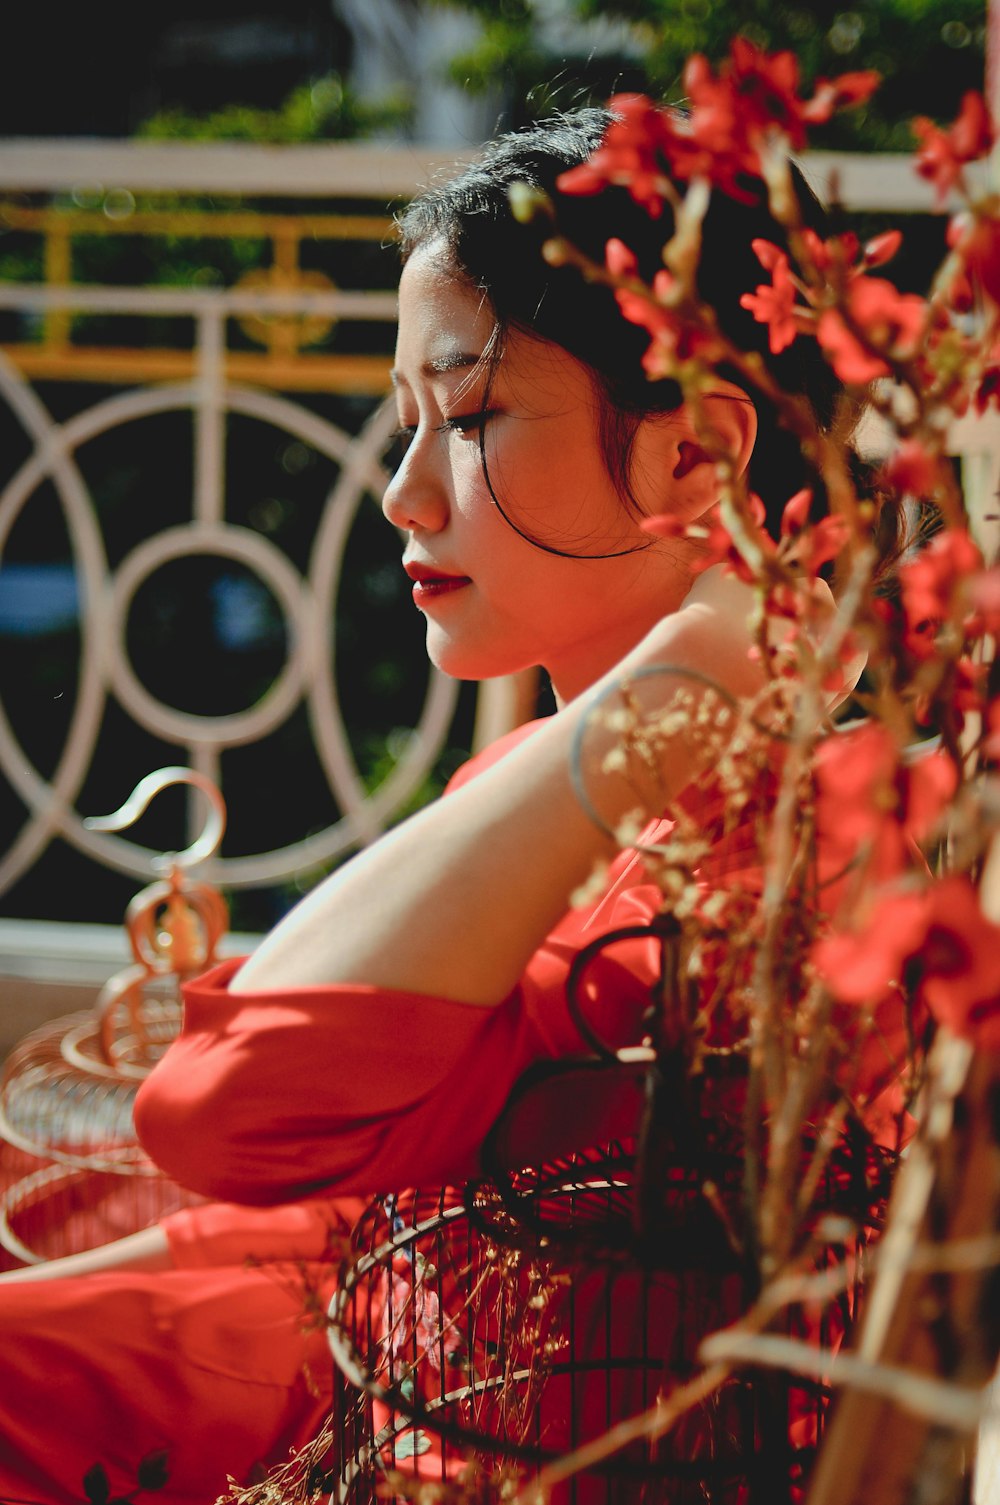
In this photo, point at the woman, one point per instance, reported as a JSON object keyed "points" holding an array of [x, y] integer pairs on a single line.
{"points": [[374, 1037]]}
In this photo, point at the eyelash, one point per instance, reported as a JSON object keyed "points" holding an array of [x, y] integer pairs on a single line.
{"points": [[460, 423], [464, 423]]}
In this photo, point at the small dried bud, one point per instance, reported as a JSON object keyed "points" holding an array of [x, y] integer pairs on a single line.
{"points": [[527, 202], [556, 251], [614, 761], [629, 828]]}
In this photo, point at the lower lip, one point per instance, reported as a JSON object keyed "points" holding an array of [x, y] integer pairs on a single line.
{"points": [[425, 591]]}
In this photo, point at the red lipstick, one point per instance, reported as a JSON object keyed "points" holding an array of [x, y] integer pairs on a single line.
{"points": [[429, 582]]}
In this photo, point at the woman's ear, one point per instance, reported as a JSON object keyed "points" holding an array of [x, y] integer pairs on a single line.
{"points": [[731, 415], [674, 462]]}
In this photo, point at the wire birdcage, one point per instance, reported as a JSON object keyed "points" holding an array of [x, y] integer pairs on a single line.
{"points": [[72, 1172], [493, 1331]]}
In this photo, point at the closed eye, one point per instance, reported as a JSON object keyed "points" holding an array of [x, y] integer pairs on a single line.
{"points": [[466, 423]]}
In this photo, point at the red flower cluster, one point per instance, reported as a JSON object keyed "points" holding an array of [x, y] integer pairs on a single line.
{"points": [[713, 538], [874, 320], [806, 545], [633, 153], [672, 338], [875, 315], [731, 113], [754, 96], [930, 939]]}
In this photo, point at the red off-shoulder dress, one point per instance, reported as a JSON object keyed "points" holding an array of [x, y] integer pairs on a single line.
{"points": [[289, 1109]]}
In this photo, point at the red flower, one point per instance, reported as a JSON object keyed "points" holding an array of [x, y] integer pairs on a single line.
{"points": [[892, 321], [841, 93], [754, 95], [958, 963], [718, 142], [913, 469], [938, 942], [862, 965], [632, 153], [943, 154], [774, 304], [796, 513], [766, 88], [976, 237], [929, 585], [870, 805]]}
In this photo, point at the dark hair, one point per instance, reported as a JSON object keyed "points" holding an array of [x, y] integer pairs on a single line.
{"points": [[471, 214]]}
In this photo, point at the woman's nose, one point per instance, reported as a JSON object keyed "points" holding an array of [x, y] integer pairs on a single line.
{"points": [[415, 498]]}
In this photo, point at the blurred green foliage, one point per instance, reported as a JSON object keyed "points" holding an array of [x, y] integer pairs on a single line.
{"points": [[327, 109], [927, 51]]}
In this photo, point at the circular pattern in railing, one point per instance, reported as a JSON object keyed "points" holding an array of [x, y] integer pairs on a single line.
{"points": [[306, 599]]}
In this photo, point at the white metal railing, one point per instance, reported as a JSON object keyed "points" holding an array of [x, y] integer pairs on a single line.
{"points": [[877, 180]]}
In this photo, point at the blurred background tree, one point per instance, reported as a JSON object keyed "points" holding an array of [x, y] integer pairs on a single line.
{"points": [[251, 66], [557, 53]]}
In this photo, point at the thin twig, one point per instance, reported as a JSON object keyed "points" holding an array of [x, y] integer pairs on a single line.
{"points": [[940, 1401]]}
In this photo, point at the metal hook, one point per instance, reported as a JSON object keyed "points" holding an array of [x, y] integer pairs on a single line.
{"points": [[145, 791]]}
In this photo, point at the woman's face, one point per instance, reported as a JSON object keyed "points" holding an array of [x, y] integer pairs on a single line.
{"points": [[494, 602]]}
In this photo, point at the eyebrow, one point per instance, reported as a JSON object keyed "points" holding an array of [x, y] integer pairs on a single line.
{"points": [[455, 360]]}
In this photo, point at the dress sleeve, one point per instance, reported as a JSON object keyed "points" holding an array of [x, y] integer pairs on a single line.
{"points": [[269, 1097], [223, 1233]]}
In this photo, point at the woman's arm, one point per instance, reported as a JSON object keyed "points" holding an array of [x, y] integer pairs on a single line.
{"points": [[454, 902]]}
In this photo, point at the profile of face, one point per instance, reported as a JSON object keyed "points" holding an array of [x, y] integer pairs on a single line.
{"points": [[495, 602]]}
